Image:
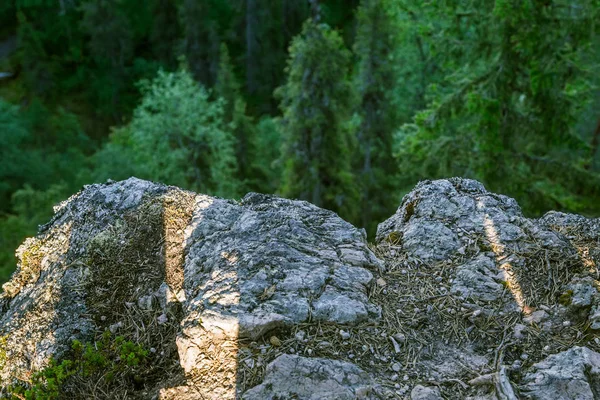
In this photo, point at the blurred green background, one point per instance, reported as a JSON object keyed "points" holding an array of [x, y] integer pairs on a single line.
{"points": [[347, 104]]}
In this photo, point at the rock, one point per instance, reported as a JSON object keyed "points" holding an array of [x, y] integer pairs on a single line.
{"points": [[291, 376], [458, 219], [594, 317], [53, 276], [219, 289], [420, 392], [582, 291], [478, 279], [536, 317], [573, 374], [235, 270]]}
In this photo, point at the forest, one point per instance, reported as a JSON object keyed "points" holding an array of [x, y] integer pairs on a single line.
{"points": [[346, 104]]}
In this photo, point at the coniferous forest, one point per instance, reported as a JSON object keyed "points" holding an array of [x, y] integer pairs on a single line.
{"points": [[346, 104]]}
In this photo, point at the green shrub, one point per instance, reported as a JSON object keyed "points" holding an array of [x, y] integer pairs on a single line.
{"points": [[109, 361]]}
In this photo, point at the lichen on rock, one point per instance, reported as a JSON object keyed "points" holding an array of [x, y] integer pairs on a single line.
{"points": [[461, 296]]}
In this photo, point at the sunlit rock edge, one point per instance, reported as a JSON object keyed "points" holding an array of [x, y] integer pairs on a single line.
{"points": [[461, 296]]}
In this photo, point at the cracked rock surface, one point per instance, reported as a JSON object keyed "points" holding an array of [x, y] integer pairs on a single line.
{"points": [[461, 297]]}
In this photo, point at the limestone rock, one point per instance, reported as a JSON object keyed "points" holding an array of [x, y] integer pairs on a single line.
{"points": [[573, 374], [291, 376], [478, 279], [197, 271], [268, 298], [420, 392]]}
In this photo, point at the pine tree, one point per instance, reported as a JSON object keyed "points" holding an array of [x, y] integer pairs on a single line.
{"points": [[177, 120], [376, 80], [201, 22], [317, 102], [516, 79], [227, 88], [165, 31]]}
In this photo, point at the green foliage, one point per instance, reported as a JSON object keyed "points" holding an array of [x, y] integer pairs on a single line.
{"points": [[107, 362], [317, 102], [506, 92], [376, 79], [515, 84], [178, 136], [43, 154]]}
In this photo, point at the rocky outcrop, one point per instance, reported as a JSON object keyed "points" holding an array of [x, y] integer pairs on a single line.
{"points": [[266, 298]]}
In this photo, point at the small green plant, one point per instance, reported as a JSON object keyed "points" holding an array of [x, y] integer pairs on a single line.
{"points": [[107, 360], [566, 298], [3, 343]]}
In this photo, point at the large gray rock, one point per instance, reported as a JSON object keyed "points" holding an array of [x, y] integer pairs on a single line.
{"points": [[264, 264], [273, 298], [457, 220], [295, 377], [45, 304], [191, 274], [571, 375]]}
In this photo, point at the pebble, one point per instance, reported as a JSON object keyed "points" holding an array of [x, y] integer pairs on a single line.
{"points": [[397, 348], [300, 335], [536, 317], [405, 377], [396, 367], [274, 340], [162, 318], [516, 365], [524, 356], [115, 327], [400, 337]]}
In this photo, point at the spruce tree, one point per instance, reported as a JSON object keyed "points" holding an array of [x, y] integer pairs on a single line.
{"points": [[376, 78], [517, 75], [236, 121], [317, 102]]}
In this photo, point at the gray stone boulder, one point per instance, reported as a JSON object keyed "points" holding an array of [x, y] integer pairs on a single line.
{"points": [[265, 264], [486, 235], [268, 298], [572, 374], [295, 377], [187, 275], [46, 304]]}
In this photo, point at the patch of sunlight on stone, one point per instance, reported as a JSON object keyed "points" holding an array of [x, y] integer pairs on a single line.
{"points": [[509, 275], [208, 347], [178, 209]]}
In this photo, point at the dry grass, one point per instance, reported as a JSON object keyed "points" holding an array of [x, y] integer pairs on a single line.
{"points": [[127, 265]]}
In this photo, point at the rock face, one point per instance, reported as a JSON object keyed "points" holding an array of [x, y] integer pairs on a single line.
{"points": [[572, 374], [291, 377], [267, 298]]}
